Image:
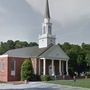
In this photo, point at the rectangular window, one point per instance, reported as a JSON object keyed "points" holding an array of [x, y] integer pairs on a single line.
{"points": [[13, 67], [1, 66]]}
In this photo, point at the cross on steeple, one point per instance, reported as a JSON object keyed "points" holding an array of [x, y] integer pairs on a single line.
{"points": [[47, 12]]}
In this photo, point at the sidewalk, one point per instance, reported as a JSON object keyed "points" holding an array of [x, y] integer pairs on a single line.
{"points": [[39, 85]]}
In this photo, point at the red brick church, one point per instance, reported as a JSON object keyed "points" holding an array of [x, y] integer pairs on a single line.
{"points": [[47, 58]]}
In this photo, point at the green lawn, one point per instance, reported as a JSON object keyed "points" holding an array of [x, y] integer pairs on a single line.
{"points": [[79, 83]]}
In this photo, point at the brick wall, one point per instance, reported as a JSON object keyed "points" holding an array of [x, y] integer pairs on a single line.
{"points": [[19, 62], [17, 76], [5, 73], [3, 69]]}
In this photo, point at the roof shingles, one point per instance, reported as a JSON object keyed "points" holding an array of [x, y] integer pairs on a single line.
{"points": [[51, 52]]}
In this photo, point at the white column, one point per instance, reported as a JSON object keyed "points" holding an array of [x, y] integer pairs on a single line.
{"points": [[67, 67], [53, 71], [44, 66], [39, 67], [60, 71]]}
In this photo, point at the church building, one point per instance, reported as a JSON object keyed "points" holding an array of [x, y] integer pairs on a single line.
{"points": [[47, 58]]}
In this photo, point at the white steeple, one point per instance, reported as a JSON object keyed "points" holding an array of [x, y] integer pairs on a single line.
{"points": [[46, 38]]}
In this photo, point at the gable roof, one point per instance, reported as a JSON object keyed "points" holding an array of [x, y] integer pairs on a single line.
{"points": [[25, 52], [54, 52], [50, 52]]}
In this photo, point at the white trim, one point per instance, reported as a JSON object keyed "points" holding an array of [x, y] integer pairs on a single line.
{"points": [[67, 67], [42, 58], [3, 55], [53, 69], [53, 58], [60, 71]]}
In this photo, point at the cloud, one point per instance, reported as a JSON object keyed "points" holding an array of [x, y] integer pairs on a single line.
{"points": [[63, 9], [22, 19], [2, 10], [71, 18]]}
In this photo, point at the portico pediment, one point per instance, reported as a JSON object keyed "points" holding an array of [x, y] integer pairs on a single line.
{"points": [[54, 52]]}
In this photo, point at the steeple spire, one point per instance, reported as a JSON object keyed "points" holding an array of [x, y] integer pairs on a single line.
{"points": [[46, 38], [47, 12]]}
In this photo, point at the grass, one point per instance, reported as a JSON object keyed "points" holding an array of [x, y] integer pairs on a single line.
{"points": [[85, 83]]}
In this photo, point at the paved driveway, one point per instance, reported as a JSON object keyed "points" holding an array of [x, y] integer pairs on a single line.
{"points": [[38, 86]]}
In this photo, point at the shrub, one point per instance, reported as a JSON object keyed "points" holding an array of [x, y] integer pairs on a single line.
{"points": [[45, 78], [26, 70], [88, 74]]}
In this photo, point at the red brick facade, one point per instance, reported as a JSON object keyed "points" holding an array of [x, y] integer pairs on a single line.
{"points": [[6, 68], [19, 62]]}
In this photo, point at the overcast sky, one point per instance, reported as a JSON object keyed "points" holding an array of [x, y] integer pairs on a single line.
{"points": [[22, 20]]}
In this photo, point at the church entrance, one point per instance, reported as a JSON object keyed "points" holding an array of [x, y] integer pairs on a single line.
{"points": [[50, 70]]}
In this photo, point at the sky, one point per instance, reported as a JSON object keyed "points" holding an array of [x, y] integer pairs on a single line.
{"points": [[22, 20]]}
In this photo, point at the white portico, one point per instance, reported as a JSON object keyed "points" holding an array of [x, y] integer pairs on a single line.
{"points": [[53, 61], [51, 68]]}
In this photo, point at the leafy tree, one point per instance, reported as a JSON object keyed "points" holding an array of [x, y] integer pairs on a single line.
{"points": [[72, 61], [79, 56], [66, 46], [81, 63], [18, 44], [26, 70], [87, 58], [33, 44], [10, 44], [85, 47], [3, 47], [24, 44]]}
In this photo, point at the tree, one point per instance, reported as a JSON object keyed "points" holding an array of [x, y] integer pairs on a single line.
{"points": [[72, 61], [87, 58], [81, 63], [18, 44], [3, 47], [26, 70], [77, 54], [66, 46], [33, 44], [10, 44]]}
